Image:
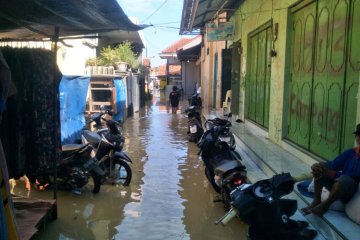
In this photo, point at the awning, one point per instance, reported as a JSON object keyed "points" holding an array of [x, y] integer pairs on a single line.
{"points": [[196, 13], [37, 19], [191, 51]]}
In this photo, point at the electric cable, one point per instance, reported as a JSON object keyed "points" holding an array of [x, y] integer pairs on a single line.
{"points": [[155, 10]]}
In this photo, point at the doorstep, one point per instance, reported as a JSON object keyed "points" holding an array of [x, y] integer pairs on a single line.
{"points": [[263, 159]]}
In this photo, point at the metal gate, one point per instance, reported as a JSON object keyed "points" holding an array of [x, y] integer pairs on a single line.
{"points": [[324, 76], [258, 81]]}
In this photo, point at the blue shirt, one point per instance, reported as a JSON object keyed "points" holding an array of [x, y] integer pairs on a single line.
{"points": [[347, 163]]}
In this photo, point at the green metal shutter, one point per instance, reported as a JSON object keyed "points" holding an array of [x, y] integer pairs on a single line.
{"points": [[301, 75], [324, 86], [352, 77], [258, 81], [329, 77]]}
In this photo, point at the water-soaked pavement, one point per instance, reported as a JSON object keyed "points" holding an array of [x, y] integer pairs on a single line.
{"points": [[168, 198]]}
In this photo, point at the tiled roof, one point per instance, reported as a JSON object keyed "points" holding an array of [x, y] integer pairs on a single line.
{"points": [[176, 45], [161, 70]]}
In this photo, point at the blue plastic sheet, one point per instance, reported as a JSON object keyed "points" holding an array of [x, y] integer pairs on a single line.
{"points": [[120, 89], [73, 91]]}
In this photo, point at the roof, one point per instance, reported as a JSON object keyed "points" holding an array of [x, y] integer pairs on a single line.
{"points": [[196, 13], [161, 70], [36, 19], [176, 45], [191, 51]]}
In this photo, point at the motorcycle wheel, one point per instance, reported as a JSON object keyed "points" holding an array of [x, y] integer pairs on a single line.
{"points": [[97, 181], [117, 171], [211, 179]]}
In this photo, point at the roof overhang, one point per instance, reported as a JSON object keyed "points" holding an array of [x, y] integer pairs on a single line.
{"points": [[167, 55], [191, 51], [121, 36], [37, 19], [196, 13]]}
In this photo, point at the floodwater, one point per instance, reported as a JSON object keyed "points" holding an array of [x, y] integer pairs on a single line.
{"points": [[168, 198]]}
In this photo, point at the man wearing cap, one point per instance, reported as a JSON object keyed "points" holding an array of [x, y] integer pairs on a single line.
{"points": [[340, 176]]}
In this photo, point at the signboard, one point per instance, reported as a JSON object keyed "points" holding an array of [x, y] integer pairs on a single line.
{"points": [[221, 32]]}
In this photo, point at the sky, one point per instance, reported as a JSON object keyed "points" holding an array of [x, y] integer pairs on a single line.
{"points": [[165, 15]]}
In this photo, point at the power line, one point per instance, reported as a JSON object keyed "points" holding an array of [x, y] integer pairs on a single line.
{"points": [[165, 23], [155, 10]]}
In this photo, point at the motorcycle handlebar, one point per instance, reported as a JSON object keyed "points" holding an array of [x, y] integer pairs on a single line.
{"points": [[111, 121]]}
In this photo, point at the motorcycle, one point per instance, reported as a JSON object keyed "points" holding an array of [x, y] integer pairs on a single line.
{"points": [[97, 117], [268, 215], [107, 150], [226, 136], [223, 165], [195, 129], [72, 172], [195, 99]]}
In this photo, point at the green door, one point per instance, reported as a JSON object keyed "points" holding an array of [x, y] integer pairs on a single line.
{"points": [[302, 53], [329, 77], [352, 77], [258, 80], [324, 76]]}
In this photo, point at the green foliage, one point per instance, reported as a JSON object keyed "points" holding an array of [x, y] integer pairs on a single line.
{"points": [[112, 56], [91, 62], [125, 53]]}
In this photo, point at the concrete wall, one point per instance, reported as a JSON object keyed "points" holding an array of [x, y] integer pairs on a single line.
{"points": [[71, 60], [207, 72], [249, 17], [190, 73]]}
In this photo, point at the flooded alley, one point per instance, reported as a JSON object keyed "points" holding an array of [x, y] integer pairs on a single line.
{"points": [[168, 198]]}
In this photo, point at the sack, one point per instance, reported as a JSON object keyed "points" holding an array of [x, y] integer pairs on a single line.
{"points": [[337, 205], [352, 208]]}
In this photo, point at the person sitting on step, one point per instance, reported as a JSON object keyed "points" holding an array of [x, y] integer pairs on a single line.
{"points": [[340, 176]]}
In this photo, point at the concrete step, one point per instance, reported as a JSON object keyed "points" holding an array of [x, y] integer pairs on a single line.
{"points": [[263, 159]]}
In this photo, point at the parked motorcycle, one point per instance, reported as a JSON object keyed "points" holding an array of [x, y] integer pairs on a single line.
{"points": [[226, 136], [260, 205], [107, 150], [195, 129], [195, 99], [97, 119], [223, 165], [72, 172]]}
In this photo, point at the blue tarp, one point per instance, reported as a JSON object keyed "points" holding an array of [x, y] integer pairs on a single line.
{"points": [[120, 89], [73, 91]]}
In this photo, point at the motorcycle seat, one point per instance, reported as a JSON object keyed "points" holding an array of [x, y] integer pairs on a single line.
{"points": [[91, 137], [227, 165], [69, 149]]}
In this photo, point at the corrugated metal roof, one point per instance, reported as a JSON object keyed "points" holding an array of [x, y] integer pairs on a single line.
{"points": [[36, 19], [196, 13]]}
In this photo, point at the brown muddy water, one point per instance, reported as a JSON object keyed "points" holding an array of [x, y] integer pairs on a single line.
{"points": [[168, 198]]}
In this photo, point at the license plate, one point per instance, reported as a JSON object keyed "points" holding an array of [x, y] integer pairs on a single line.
{"points": [[193, 129]]}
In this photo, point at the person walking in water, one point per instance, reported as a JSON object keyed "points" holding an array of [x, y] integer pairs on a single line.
{"points": [[174, 98]]}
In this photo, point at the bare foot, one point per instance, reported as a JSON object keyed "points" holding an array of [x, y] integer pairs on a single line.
{"points": [[307, 210], [319, 210]]}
